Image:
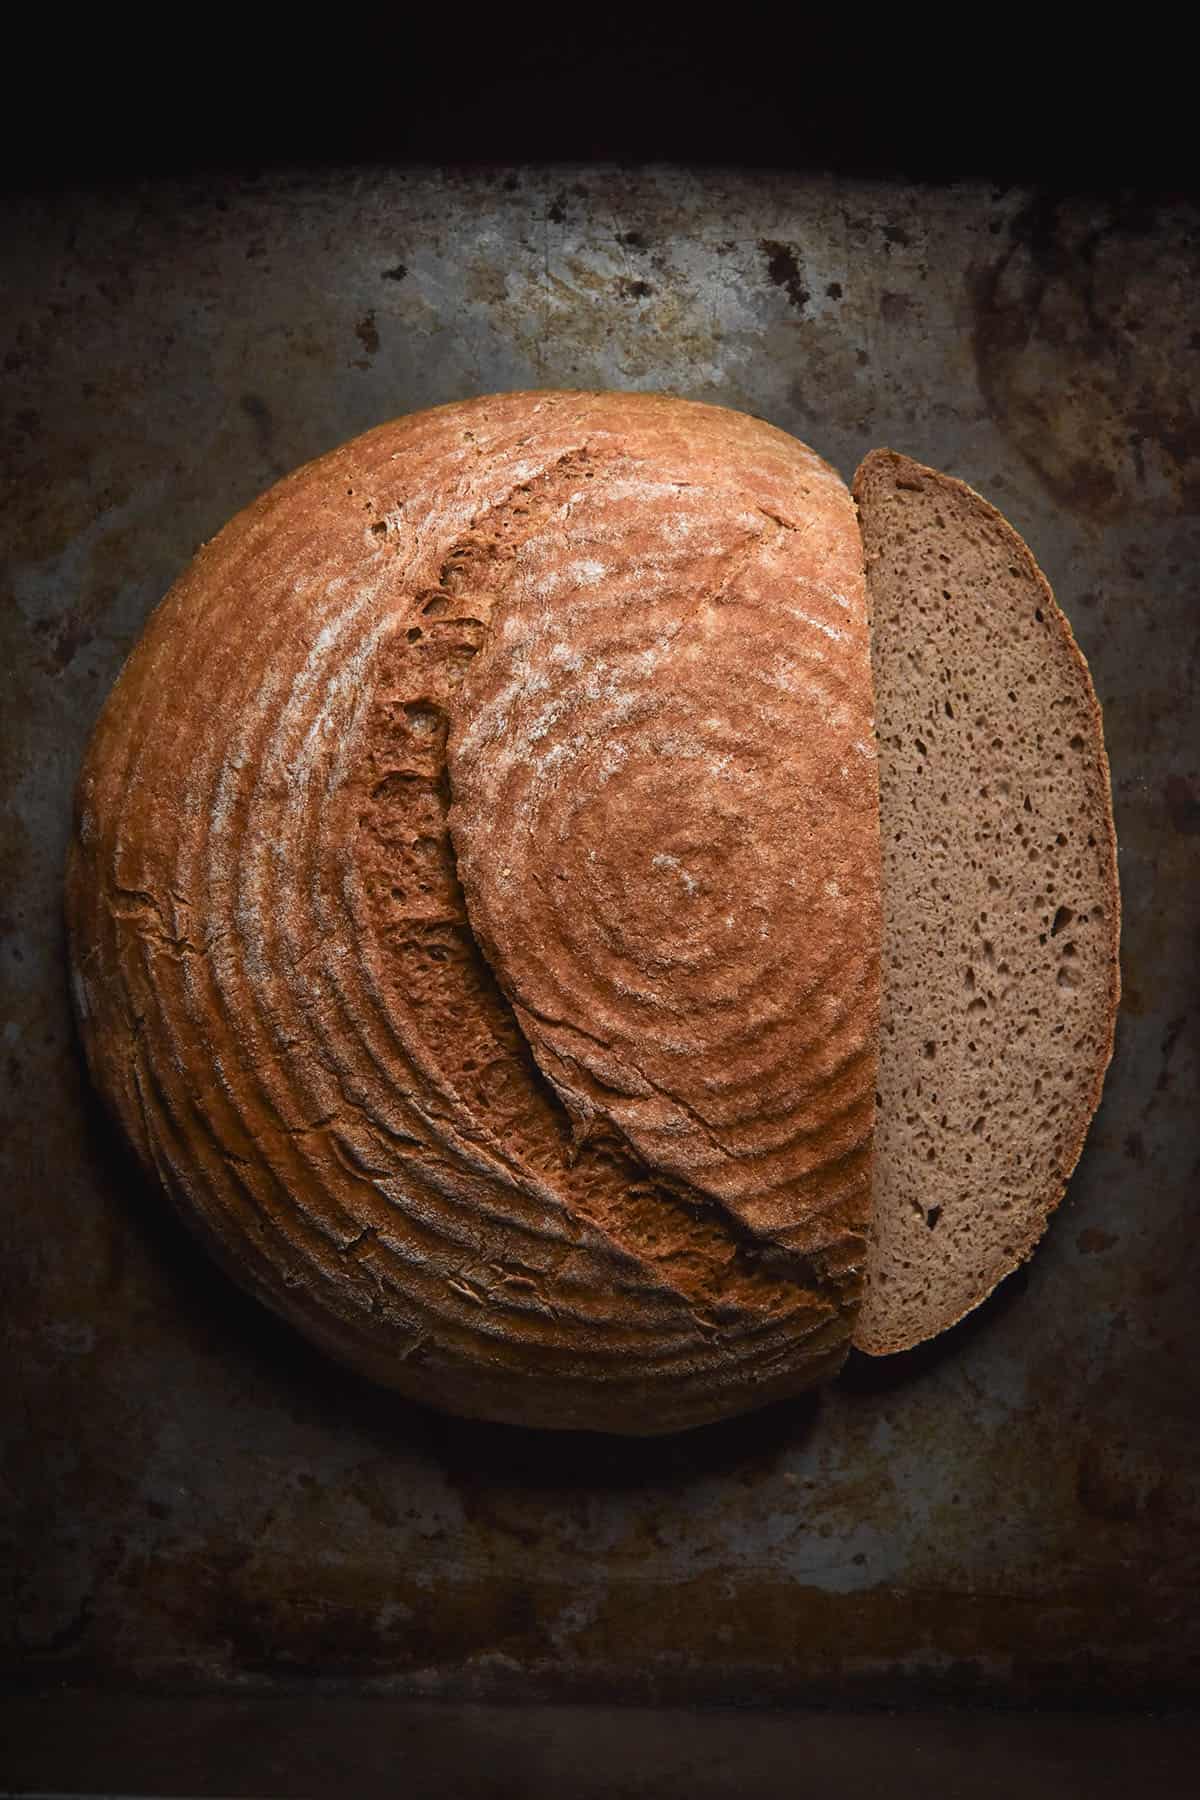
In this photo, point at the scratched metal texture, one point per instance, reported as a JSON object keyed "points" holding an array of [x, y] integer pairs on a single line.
{"points": [[194, 1498]]}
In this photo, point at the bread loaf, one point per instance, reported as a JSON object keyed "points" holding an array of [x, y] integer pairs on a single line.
{"points": [[1001, 905], [474, 908]]}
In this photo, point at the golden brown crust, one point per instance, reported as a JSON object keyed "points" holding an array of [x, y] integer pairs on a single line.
{"points": [[279, 975], [996, 624]]}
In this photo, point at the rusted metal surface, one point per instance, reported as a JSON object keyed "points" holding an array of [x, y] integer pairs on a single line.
{"points": [[192, 1496], [231, 1745]]}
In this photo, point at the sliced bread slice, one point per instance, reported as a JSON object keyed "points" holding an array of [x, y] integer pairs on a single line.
{"points": [[1000, 900]]}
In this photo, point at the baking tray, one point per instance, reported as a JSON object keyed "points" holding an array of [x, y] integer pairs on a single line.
{"points": [[195, 1500]]}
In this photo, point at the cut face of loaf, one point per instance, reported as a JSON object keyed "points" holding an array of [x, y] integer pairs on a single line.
{"points": [[1001, 906], [474, 908]]}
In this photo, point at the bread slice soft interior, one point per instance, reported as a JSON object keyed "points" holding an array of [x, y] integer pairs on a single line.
{"points": [[1000, 900]]}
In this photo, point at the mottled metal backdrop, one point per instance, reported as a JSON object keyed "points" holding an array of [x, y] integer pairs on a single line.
{"points": [[191, 1495]]}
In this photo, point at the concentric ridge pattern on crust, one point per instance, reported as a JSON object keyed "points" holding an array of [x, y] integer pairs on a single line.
{"points": [[474, 907]]}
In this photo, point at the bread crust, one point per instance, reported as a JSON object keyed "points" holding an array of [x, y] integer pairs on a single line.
{"points": [[879, 1330], [637, 1214]]}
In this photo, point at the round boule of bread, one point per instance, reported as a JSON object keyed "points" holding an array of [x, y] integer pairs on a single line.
{"points": [[474, 908]]}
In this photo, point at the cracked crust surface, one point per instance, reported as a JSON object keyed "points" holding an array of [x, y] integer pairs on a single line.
{"points": [[474, 907]]}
